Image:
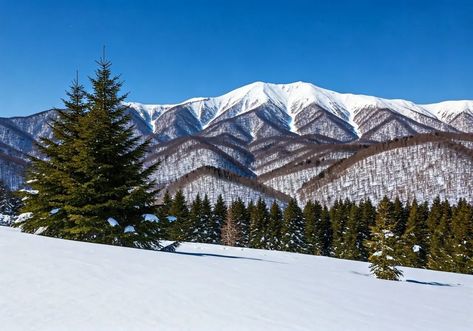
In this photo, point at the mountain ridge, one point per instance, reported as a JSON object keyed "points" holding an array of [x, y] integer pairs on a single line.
{"points": [[293, 98]]}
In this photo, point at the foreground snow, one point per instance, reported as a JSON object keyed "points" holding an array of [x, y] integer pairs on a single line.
{"points": [[51, 284]]}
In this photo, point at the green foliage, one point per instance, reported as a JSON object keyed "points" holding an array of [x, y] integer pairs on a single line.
{"points": [[414, 239], [93, 170], [324, 232], [210, 228], [400, 214], [367, 220], [258, 225], [274, 227], [440, 253], [292, 239], [461, 240], [219, 214], [317, 230], [196, 221], [180, 228], [352, 239], [163, 213], [382, 246]]}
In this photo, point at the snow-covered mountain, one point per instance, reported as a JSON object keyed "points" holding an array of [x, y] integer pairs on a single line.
{"points": [[302, 108], [288, 140], [53, 284]]}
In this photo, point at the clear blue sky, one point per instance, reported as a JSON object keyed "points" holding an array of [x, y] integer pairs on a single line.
{"points": [[168, 51]]}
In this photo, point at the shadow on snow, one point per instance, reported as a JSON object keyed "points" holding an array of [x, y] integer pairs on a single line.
{"points": [[226, 256]]}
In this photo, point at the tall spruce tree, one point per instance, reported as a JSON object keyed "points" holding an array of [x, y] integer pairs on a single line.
{"points": [[92, 184], [210, 228], [461, 241], [242, 217], [400, 214], [292, 239], [197, 224], [54, 175], [440, 256], [367, 220], [339, 217], [114, 183], [311, 219], [274, 227], [163, 214], [382, 246], [324, 233], [179, 228], [352, 239], [413, 241], [258, 225], [435, 216], [219, 214]]}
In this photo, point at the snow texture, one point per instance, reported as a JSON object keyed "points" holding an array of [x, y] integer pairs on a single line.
{"points": [[129, 229], [53, 284], [421, 171], [54, 211], [112, 221], [150, 218]]}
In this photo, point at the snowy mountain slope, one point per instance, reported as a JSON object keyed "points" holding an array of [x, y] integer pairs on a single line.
{"points": [[213, 182], [52, 284], [421, 167], [301, 108], [184, 155], [458, 114]]}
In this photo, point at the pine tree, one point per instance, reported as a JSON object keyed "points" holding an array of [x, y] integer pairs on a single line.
{"points": [[367, 220], [114, 184], [258, 225], [179, 228], [219, 214], [461, 241], [435, 216], [163, 214], [314, 231], [292, 239], [55, 174], [440, 256], [241, 214], [274, 227], [210, 228], [413, 241], [324, 233], [339, 216], [352, 239], [91, 183], [382, 247], [400, 215], [196, 222], [310, 226]]}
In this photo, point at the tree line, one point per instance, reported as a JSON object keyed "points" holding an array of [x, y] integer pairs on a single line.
{"points": [[438, 237]]}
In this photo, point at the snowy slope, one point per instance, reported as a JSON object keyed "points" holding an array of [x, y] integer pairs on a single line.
{"points": [[295, 98], [448, 109], [51, 284]]}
